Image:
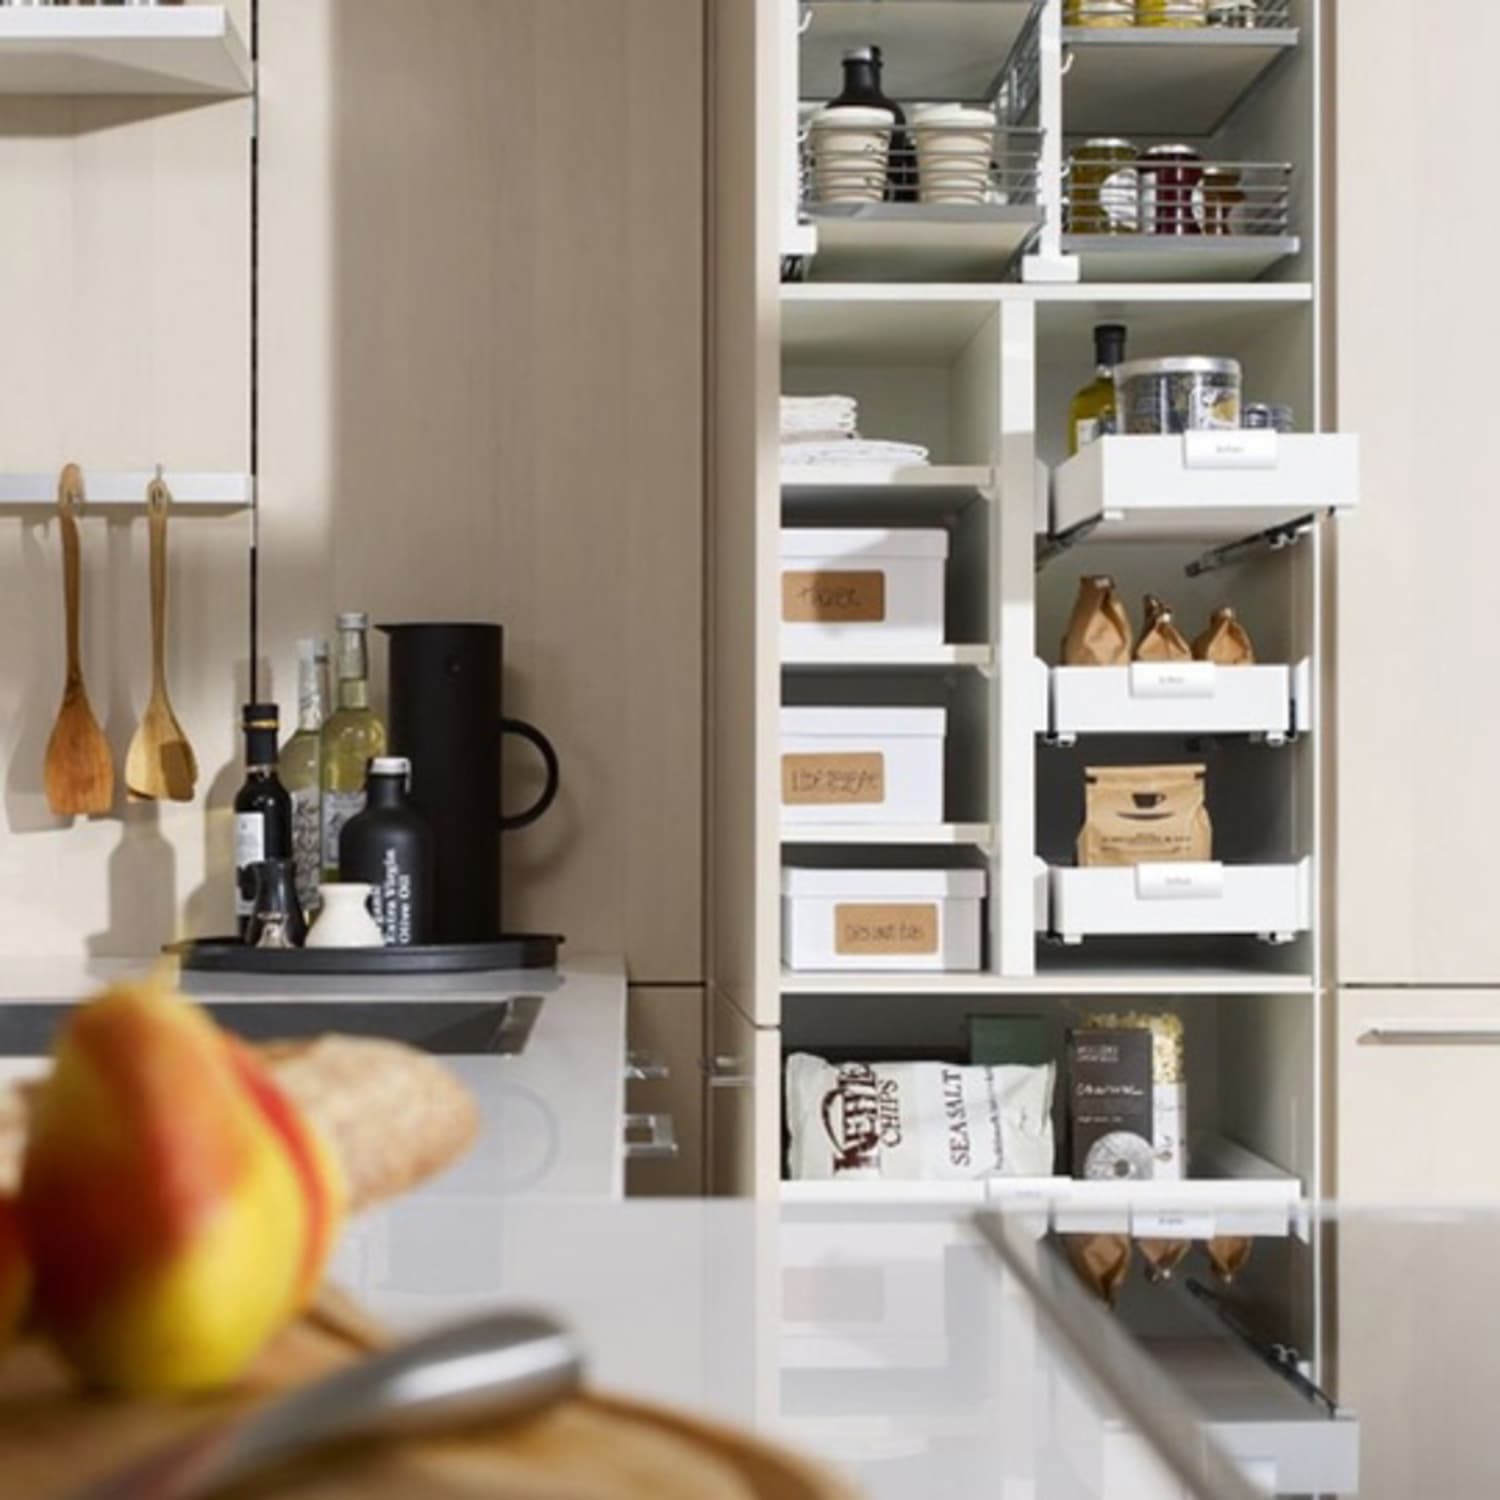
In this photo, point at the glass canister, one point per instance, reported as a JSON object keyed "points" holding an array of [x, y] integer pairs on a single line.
{"points": [[1269, 416], [1104, 195], [1170, 179], [1106, 14], [1181, 13], [1223, 192], [1188, 394]]}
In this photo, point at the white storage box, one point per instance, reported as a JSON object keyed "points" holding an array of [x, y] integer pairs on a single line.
{"points": [[1204, 485], [1269, 901], [858, 587], [862, 766], [1189, 697], [881, 920]]}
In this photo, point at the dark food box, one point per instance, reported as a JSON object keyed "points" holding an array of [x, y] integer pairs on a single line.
{"points": [[1109, 1103]]}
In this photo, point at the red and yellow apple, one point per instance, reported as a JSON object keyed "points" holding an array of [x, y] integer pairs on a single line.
{"points": [[15, 1272], [177, 1209]]}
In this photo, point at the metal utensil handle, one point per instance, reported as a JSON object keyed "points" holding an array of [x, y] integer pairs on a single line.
{"points": [[1432, 1034], [661, 1138], [501, 1365]]}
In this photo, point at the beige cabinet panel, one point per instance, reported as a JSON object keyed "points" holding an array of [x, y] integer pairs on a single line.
{"points": [[1417, 715], [666, 1025], [481, 362], [1418, 1076], [744, 1104]]}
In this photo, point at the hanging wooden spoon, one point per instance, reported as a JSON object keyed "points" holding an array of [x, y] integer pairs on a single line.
{"points": [[161, 764], [79, 770]]}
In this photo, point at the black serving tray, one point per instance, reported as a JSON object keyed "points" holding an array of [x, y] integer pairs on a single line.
{"points": [[526, 950]]}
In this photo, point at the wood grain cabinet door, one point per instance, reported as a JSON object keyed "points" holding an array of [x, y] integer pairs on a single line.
{"points": [[1418, 1077]]}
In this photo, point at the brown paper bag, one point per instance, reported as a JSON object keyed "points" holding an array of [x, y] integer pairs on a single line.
{"points": [[1225, 641], [1144, 814], [1099, 633], [1102, 1262], [1162, 1257], [1227, 1254], [1161, 640]]}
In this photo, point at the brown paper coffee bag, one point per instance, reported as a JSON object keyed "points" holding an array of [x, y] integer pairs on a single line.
{"points": [[1099, 632], [1144, 814], [1225, 641], [1162, 1257], [1161, 640], [1228, 1254], [1102, 1262]]}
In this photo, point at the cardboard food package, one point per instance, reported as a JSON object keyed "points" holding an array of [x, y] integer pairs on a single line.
{"points": [[1168, 1086], [1110, 1107], [1161, 640], [1225, 641], [1144, 815], [1099, 632]]}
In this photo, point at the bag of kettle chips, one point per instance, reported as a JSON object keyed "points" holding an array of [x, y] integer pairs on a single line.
{"points": [[1099, 632], [1161, 640], [1225, 641], [917, 1121], [1144, 814], [1102, 1262]]}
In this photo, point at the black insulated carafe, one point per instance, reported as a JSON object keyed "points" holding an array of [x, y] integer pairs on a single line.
{"points": [[446, 718]]}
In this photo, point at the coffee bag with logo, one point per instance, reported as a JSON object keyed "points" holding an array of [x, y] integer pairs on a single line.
{"points": [[917, 1121], [1099, 632], [1144, 814]]}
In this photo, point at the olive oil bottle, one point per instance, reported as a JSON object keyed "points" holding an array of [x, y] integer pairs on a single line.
{"points": [[1092, 413], [353, 735]]}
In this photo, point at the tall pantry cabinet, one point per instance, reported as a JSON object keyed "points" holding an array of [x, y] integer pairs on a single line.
{"points": [[967, 331]]}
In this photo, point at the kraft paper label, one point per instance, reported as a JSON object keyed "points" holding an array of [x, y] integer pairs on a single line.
{"points": [[838, 780], [832, 598], [873, 930]]}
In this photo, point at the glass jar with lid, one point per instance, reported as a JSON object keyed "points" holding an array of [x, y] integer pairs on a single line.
{"points": [[1180, 13], [1106, 14], [1104, 193], [1171, 177]]}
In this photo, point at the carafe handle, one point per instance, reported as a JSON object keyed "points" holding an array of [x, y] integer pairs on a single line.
{"points": [[549, 760]]}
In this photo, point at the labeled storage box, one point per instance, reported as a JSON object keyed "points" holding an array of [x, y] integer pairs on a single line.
{"points": [[848, 587], [1179, 697], [1269, 901], [862, 766], [881, 920]]}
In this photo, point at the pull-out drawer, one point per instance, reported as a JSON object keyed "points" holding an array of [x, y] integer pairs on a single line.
{"points": [[1418, 1075]]}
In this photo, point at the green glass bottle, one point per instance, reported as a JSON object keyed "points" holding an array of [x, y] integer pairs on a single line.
{"points": [[352, 736], [1092, 413]]}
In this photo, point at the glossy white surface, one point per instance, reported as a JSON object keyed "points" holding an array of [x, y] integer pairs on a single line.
{"points": [[891, 1344]]}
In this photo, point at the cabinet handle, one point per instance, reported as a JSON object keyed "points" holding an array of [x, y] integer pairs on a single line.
{"points": [[1432, 1034], [661, 1138], [724, 1073], [643, 1067]]}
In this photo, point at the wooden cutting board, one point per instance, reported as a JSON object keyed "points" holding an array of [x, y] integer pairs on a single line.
{"points": [[594, 1447]]}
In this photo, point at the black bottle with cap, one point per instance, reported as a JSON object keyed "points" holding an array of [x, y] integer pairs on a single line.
{"points": [[262, 809], [389, 848], [862, 88]]}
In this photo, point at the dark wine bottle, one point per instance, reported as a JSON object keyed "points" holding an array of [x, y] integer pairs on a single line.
{"points": [[262, 809], [862, 87], [389, 847]]}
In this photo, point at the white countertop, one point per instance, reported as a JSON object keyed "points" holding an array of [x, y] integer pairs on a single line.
{"points": [[552, 1114]]}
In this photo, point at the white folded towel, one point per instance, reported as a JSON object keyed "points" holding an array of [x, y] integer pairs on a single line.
{"points": [[819, 414], [822, 435], [872, 451]]}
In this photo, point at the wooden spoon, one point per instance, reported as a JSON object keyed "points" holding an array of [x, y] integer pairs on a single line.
{"points": [[79, 771], [161, 763]]}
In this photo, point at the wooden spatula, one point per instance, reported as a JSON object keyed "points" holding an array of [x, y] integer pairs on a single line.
{"points": [[79, 771], [161, 764]]}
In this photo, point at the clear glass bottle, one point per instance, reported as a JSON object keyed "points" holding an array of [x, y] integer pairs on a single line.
{"points": [[1092, 413], [300, 773], [353, 735], [262, 810]]}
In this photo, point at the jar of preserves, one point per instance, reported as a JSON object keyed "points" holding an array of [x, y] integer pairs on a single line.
{"points": [[1181, 13], [1170, 178], [1099, 13], [1104, 187], [1171, 396]]}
